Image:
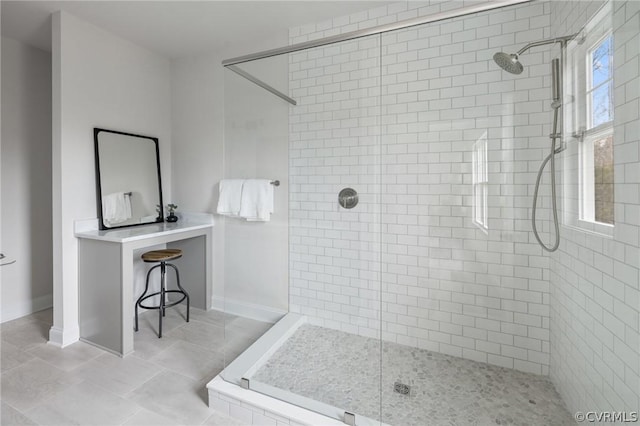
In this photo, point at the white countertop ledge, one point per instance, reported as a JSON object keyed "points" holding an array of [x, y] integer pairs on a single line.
{"points": [[187, 222]]}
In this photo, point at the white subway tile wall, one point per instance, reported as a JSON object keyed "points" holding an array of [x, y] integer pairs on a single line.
{"points": [[595, 291], [246, 412], [335, 254], [396, 117]]}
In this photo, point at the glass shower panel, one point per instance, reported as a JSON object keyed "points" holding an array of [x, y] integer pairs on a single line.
{"points": [[253, 261], [463, 285], [324, 353], [335, 250]]}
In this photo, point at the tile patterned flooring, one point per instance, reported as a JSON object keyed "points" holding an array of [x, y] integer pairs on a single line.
{"points": [[162, 383], [445, 390]]}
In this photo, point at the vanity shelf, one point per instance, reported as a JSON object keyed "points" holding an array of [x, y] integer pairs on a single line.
{"points": [[106, 299]]}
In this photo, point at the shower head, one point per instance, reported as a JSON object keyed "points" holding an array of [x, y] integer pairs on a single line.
{"points": [[508, 62]]}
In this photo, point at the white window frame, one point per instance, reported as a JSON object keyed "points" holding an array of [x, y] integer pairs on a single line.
{"points": [[587, 204], [580, 198], [587, 179], [590, 88]]}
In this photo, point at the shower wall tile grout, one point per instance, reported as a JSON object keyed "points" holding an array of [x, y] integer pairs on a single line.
{"points": [[595, 299], [401, 133], [446, 286]]}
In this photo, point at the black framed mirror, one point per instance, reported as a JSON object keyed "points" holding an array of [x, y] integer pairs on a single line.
{"points": [[128, 183]]}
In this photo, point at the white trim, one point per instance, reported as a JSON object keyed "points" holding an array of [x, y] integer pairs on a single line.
{"points": [[587, 178], [603, 230], [63, 337], [590, 87], [597, 228], [579, 185], [24, 308], [247, 310]]}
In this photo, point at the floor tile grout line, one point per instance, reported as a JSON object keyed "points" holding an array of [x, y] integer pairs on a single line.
{"points": [[77, 366], [158, 373], [70, 378], [140, 408], [47, 397]]}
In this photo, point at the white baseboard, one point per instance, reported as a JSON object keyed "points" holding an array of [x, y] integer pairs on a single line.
{"points": [[63, 337], [28, 307], [247, 310]]}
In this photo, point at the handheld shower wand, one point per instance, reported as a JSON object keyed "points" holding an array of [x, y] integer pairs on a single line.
{"points": [[556, 104], [511, 63]]}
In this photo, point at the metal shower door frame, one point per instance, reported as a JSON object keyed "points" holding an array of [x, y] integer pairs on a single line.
{"points": [[232, 63]]}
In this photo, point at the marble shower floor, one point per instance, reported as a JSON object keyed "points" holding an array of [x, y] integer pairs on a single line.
{"points": [[341, 369]]}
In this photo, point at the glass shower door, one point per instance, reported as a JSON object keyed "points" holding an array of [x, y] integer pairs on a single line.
{"points": [[326, 355], [335, 221], [252, 258]]}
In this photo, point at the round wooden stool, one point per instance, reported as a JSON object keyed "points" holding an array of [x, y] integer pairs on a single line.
{"points": [[162, 256]]}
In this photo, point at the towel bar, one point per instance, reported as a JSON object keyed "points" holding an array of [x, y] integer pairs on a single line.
{"points": [[275, 182]]}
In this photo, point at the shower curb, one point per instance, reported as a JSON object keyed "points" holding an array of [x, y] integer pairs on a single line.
{"points": [[254, 408]]}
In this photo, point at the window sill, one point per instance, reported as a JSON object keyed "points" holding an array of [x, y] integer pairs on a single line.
{"points": [[591, 228]]}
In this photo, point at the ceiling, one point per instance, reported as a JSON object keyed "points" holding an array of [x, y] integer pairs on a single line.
{"points": [[175, 28]]}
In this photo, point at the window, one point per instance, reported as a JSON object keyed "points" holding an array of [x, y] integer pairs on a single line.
{"points": [[589, 191], [597, 149], [480, 182], [599, 86]]}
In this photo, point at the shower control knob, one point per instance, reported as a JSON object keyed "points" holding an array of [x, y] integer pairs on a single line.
{"points": [[348, 198]]}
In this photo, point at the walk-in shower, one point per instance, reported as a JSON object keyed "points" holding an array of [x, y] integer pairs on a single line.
{"points": [[430, 301], [511, 63]]}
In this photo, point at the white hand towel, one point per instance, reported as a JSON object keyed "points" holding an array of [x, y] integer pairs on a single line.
{"points": [[257, 200], [116, 208], [230, 196]]}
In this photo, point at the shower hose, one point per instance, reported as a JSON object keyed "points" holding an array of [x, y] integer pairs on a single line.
{"points": [[549, 158]]}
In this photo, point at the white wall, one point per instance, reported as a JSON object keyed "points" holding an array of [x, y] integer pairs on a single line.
{"points": [[197, 96], [249, 259], [595, 298], [26, 179], [446, 285], [99, 80]]}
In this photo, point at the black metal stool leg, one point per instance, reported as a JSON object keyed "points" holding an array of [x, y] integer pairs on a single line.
{"points": [[146, 288], [163, 280], [163, 292], [186, 295]]}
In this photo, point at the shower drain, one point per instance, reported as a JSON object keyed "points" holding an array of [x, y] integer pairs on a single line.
{"points": [[401, 388]]}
